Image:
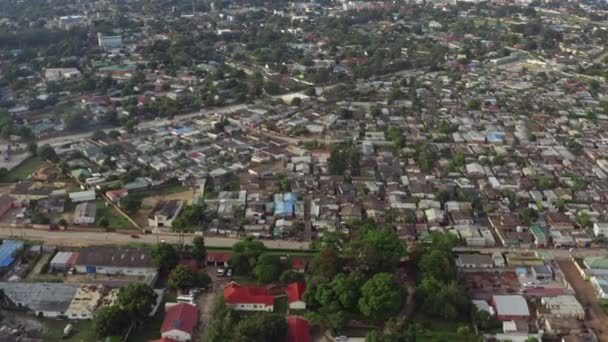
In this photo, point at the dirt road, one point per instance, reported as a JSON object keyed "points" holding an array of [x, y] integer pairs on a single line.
{"points": [[596, 317]]}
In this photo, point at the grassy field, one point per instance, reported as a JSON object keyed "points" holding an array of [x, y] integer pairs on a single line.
{"points": [[436, 329], [24, 169], [117, 221], [166, 190], [150, 330], [82, 331]]}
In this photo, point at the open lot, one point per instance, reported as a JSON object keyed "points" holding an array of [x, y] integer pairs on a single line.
{"points": [[22, 168], [482, 285], [152, 198], [117, 221]]}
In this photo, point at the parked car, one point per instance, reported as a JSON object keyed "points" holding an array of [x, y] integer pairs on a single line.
{"points": [[229, 272], [220, 271], [134, 236]]}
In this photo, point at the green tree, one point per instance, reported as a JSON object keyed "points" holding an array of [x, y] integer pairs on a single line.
{"points": [[111, 320], [436, 263], [261, 328], [183, 278], [245, 255], [131, 203], [104, 222], [165, 256], [326, 264], [267, 268], [138, 300], [46, 152], [583, 219], [379, 249], [381, 297], [199, 251], [290, 276]]}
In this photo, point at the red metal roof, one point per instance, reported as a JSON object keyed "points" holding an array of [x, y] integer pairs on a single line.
{"points": [[298, 329], [182, 317], [295, 291], [219, 257], [247, 294]]}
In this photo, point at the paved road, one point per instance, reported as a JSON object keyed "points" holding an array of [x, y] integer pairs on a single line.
{"points": [[596, 317], [82, 238], [558, 253]]}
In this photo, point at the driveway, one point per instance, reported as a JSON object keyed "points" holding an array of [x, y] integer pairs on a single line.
{"points": [[206, 300]]}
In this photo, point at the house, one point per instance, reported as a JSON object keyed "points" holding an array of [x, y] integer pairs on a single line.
{"points": [[559, 221], [61, 74], [298, 329], [116, 195], [563, 306], [474, 261], [180, 322], [510, 307], [248, 297], [115, 260], [164, 213], [217, 259], [85, 213], [295, 293], [600, 229], [82, 196], [600, 285]]}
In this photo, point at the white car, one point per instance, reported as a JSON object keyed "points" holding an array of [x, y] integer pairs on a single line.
{"points": [[529, 284], [220, 272]]}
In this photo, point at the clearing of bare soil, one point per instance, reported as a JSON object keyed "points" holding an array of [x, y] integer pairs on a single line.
{"points": [[148, 203]]}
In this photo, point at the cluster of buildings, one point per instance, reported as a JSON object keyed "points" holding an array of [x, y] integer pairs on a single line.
{"points": [[527, 294]]}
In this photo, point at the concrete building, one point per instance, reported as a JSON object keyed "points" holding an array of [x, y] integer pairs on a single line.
{"points": [[109, 42], [562, 306], [82, 196], [510, 307], [295, 296], [180, 322], [248, 298], [61, 74], [44, 299], [115, 261], [85, 213], [164, 213], [600, 229]]}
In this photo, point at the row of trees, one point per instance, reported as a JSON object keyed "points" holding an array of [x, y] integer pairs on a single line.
{"points": [[351, 279], [134, 304]]}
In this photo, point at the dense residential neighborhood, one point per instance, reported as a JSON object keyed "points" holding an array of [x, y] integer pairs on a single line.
{"points": [[304, 171]]}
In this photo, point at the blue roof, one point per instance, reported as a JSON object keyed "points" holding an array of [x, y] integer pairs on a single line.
{"points": [[496, 136], [183, 130], [7, 252], [283, 208], [291, 196]]}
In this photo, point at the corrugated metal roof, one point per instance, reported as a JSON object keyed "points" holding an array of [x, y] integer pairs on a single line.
{"points": [[7, 251], [61, 258], [511, 305]]}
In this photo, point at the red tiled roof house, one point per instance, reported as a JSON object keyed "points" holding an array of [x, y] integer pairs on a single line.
{"points": [[295, 294], [180, 321], [248, 298], [298, 329]]}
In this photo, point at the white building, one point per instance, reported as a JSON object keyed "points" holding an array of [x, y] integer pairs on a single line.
{"points": [[115, 260], [61, 74], [82, 196], [85, 213], [109, 42], [164, 213], [600, 229]]}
